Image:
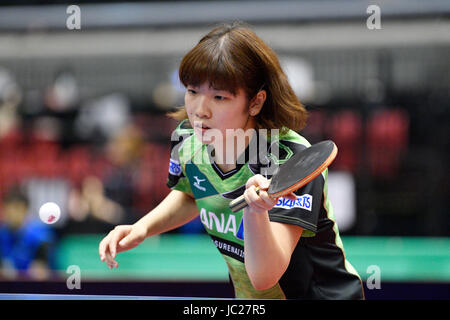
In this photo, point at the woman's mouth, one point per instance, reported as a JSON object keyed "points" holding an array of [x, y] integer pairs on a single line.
{"points": [[202, 127]]}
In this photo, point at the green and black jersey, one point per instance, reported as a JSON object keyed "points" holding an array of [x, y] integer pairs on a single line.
{"points": [[317, 269]]}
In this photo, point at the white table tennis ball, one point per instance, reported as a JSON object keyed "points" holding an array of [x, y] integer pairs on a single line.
{"points": [[49, 212]]}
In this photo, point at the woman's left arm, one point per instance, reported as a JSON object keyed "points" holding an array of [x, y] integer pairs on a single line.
{"points": [[268, 245]]}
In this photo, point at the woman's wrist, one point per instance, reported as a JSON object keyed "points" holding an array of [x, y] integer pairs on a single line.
{"points": [[256, 213], [143, 225]]}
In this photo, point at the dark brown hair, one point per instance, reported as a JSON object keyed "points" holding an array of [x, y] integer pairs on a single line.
{"points": [[232, 56]]}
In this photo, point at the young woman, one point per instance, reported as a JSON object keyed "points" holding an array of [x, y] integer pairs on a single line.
{"points": [[237, 94]]}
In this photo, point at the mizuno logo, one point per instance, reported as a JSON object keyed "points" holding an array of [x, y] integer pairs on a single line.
{"points": [[201, 187], [197, 183]]}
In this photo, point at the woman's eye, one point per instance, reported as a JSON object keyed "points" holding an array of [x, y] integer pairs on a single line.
{"points": [[191, 91], [220, 98]]}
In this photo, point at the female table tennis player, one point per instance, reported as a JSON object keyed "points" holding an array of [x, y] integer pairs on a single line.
{"points": [[285, 248]]}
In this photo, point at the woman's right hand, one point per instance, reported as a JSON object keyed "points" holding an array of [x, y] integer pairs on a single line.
{"points": [[121, 238]]}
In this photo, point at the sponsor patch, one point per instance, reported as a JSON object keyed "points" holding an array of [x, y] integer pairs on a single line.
{"points": [[174, 167], [302, 202], [229, 248]]}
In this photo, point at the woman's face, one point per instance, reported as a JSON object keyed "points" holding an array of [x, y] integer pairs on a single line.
{"points": [[211, 112]]}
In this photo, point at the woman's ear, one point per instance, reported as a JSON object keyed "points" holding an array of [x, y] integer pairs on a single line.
{"points": [[257, 103]]}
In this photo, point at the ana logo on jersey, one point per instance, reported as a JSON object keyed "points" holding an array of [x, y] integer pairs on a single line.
{"points": [[223, 223], [240, 233], [217, 223]]}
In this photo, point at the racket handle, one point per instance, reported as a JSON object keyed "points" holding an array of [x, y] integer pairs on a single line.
{"points": [[239, 203]]}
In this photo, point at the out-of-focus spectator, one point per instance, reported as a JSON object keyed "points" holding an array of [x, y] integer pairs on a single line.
{"points": [[10, 98], [63, 94], [387, 140], [90, 211], [11, 134], [315, 129], [61, 101], [346, 130], [124, 151], [25, 243], [100, 119]]}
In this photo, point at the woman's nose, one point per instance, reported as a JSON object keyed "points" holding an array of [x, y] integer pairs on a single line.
{"points": [[202, 111]]}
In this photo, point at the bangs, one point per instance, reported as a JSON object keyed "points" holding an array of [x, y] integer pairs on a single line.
{"points": [[210, 62]]}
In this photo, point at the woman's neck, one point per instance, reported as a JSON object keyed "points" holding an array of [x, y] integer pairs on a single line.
{"points": [[228, 151]]}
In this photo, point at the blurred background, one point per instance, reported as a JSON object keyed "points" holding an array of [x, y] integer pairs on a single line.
{"points": [[83, 124]]}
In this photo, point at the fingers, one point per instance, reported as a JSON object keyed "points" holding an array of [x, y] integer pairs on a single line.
{"points": [[136, 234], [116, 236], [259, 181], [291, 196], [110, 262], [127, 242], [258, 202], [261, 201], [103, 246], [108, 246], [105, 255]]}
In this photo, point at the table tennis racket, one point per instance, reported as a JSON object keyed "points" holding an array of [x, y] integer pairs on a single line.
{"points": [[296, 172]]}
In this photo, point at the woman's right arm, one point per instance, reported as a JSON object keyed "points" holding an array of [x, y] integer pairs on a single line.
{"points": [[175, 210]]}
